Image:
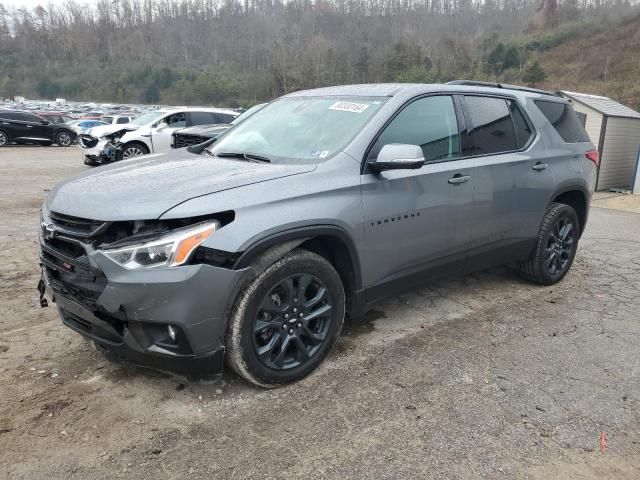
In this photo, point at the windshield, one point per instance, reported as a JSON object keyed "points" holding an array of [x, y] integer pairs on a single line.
{"points": [[147, 118], [299, 129], [244, 115]]}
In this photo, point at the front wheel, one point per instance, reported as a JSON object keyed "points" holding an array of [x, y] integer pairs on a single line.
{"points": [[556, 246], [4, 138], [133, 150], [64, 139], [284, 323]]}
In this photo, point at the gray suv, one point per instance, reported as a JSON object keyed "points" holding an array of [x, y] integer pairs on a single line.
{"points": [[251, 250]]}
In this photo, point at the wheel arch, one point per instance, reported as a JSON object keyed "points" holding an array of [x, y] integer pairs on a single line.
{"points": [[329, 241], [137, 141], [578, 199]]}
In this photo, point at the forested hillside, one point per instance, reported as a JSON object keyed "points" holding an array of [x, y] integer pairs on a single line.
{"points": [[241, 52]]}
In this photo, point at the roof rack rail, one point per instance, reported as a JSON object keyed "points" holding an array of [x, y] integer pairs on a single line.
{"points": [[476, 83]]}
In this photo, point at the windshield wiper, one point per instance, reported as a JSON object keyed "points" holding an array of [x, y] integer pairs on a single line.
{"points": [[252, 157]]}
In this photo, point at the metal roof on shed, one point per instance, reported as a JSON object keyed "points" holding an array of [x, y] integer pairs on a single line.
{"points": [[604, 105]]}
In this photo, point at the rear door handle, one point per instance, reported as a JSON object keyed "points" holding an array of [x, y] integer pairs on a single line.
{"points": [[457, 179], [538, 167]]}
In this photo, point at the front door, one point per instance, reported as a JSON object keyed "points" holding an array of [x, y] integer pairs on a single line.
{"points": [[416, 222], [161, 137]]}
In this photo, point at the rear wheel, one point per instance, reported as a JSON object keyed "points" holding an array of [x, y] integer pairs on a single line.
{"points": [[556, 246], [284, 323], [132, 150], [64, 138], [4, 139]]}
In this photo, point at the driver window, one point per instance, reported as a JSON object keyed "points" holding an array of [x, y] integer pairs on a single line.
{"points": [[430, 123], [177, 120]]}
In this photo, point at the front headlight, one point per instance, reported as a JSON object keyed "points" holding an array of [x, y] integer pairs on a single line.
{"points": [[169, 250]]}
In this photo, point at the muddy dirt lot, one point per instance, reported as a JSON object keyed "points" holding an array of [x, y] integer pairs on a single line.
{"points": [[482, 377]]}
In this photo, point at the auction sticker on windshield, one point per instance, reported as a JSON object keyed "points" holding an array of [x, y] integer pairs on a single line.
{"points": [[349, 107]]}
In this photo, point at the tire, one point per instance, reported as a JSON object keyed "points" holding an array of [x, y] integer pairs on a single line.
{"points": [[132, 150], [555, 247], [265, 316], [4, 139], [64, 138]]}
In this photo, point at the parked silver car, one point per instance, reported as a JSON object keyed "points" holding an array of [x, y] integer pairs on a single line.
{"points": [[253, 250]]}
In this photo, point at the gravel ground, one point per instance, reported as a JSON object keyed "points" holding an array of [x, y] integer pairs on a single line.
{"points": [[482, 377]]}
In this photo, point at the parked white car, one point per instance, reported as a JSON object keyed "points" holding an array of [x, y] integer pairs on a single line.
{"points": [[149, 133], [116, 119]]}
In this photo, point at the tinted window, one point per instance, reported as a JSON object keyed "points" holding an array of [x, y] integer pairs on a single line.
{"points": [[177, 120], [226, 118], [8, 115], [122, 120], [491, 127], [203, 118], [522, 128], [106, 119], [428, 122], [564, 120]]}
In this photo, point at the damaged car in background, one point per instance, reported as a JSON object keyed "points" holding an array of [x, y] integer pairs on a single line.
{"points": [[149, 133]]}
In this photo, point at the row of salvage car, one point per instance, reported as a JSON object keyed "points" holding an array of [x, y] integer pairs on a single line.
{"points": [[157, 132]]}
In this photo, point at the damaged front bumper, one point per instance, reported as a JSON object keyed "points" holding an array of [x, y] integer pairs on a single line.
{"points": [[171, 319], [101, 153]]}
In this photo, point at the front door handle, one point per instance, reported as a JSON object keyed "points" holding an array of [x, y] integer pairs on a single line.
{"points": [[457, 179], [538, 167]]}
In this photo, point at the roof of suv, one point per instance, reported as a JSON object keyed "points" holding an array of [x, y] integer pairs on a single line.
{"points": [[393, 89], [198, 109]]}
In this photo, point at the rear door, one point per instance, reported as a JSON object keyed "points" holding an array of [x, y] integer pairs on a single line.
{"points": [[417, 222], [511, 185], [11, 125], [38, 127]]}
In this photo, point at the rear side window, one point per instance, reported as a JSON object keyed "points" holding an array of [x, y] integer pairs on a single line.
{"points": [[491, 130], [564, 119], [123, 120], [430, 123], [202, 118], [522, 128], [226, 118], [8, 115]]}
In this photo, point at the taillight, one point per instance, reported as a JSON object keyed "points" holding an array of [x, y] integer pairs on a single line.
{"points": [[594, 156]]}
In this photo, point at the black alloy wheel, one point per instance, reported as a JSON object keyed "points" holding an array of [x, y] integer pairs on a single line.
{"points": [[559, 247], [556, 246], [292, 322], [285, 320]]}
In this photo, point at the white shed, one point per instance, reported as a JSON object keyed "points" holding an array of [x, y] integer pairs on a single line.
{"points": [[615, 130]]}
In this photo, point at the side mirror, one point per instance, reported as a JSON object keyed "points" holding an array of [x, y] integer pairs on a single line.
{"points": [[397, 156], [161, 126]]}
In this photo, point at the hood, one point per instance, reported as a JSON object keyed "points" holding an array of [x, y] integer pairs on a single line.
{"points": [[146, 187], [114, 127]]}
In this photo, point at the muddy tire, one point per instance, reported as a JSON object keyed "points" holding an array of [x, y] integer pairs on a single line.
{"points": [[555, 247], [286, 320]]}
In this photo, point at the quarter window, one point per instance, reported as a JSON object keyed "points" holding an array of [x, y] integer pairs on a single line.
{"points": [[491, 129], [522, 128], [430, 123], [564, 119]]}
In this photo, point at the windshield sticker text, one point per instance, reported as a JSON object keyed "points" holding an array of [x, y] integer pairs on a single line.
{"points": [[349, 107]]}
